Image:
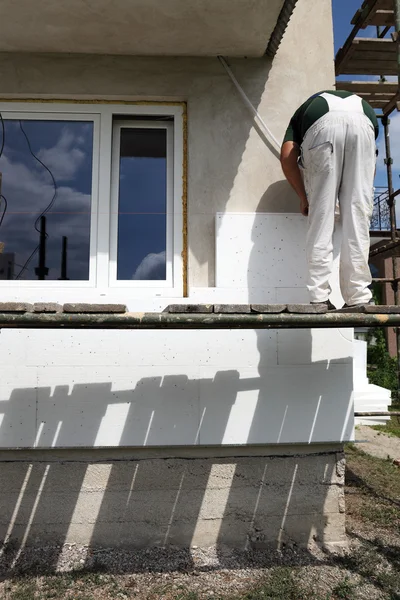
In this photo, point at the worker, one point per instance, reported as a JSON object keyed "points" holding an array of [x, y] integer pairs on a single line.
{"points": [[328, 155]]}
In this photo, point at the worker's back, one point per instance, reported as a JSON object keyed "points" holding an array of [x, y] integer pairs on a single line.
{"points": [[319, 105]]}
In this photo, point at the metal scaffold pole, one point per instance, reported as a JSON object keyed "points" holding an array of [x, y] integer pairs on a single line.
{"points": [[392, 204], [392, 208]]}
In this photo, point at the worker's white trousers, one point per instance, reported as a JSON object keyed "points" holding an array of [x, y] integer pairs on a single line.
{"points": [[338, 160]]}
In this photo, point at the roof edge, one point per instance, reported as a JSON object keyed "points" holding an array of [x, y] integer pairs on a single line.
{"points": [[280, 27]]}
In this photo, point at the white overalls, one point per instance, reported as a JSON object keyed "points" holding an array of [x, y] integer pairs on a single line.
{"points": [[338, 160]]}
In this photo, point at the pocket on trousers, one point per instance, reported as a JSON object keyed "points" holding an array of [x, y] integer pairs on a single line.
{"points": [[321, 157]]}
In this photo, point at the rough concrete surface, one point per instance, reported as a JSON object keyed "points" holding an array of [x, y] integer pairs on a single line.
{"points": [[242, 502], [15, 307], [94, 308], [377, 443]]}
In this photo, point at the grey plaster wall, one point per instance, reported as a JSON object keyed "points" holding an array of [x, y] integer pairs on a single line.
{"points": [[137, 498], [144, 27], [230, 166]]}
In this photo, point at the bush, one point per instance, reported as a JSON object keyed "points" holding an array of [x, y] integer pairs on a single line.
{"points": [[382, 368]]}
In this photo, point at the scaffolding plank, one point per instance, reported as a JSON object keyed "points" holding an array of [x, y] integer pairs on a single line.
{"points": [[379, 94], [368, 67], [367, 87], [370, 12], [376, 99], [385, 248], [372, 309], [375, 45], [268, 308], [368, 56], [380, 18], [190, 308], [378, 104]]}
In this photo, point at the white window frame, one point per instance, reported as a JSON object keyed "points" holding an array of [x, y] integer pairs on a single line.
{"points": [[115, 163], [102, 284], [61, 116]]}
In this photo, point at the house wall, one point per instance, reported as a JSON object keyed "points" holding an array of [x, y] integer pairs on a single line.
{"points": [[264, 396], [230, 167]]}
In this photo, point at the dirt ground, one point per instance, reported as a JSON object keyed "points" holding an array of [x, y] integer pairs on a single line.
{"points": [[377, 443]]}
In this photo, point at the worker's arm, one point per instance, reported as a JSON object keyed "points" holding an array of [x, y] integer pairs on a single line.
{"points": [[289, 154]]}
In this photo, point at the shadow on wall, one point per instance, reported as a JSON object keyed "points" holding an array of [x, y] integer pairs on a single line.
{"points": [[127, 498], [213, 174], [279, 197], [320, 388]]}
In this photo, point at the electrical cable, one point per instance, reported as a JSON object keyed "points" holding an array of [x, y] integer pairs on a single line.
{"points": [[5, 208], [3, 137], [25, 266], [51, 203], [3, 141], [260, 121], [48, 207]]}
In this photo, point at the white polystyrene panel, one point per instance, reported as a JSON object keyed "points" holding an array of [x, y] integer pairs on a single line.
{"points": [[123, 406], [13, 348], [152, 348], [260, 250], [292, 404], [305, 346], [266, 249], [17, 406]]}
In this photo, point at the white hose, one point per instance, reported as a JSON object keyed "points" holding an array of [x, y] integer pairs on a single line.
{"points": [[261, 123]]}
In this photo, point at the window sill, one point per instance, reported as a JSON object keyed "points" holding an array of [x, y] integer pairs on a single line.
{"points": [[149, 299]]}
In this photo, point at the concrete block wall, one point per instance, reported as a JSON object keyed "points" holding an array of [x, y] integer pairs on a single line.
{"points": [[134, 499]]}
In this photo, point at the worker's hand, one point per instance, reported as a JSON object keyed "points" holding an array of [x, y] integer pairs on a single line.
{"points": [[304, 208]]}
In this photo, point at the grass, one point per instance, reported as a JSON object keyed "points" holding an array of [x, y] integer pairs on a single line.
{"points": [[370, 570], [391, 427], [377, 486], [344, 590], [281, 583]]}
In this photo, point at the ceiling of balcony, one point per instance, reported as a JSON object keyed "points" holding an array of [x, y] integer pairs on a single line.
{"points": [[139, 27]]}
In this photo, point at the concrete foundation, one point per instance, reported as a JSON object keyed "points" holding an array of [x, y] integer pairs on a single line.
{"points": [[262, 498]]}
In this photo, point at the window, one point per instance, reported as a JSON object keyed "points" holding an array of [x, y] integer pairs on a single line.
{"points": [[142, 201], [93, 197], [47, 180]]}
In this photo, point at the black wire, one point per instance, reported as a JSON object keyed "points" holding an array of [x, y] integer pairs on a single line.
{"points": [[48, 207], [3, 128], [51, 203], [5, 208], [25, 266], [3, 139]]}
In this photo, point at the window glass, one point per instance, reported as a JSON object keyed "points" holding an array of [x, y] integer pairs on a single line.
{"points": [[47, 182], [142, 204]]}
